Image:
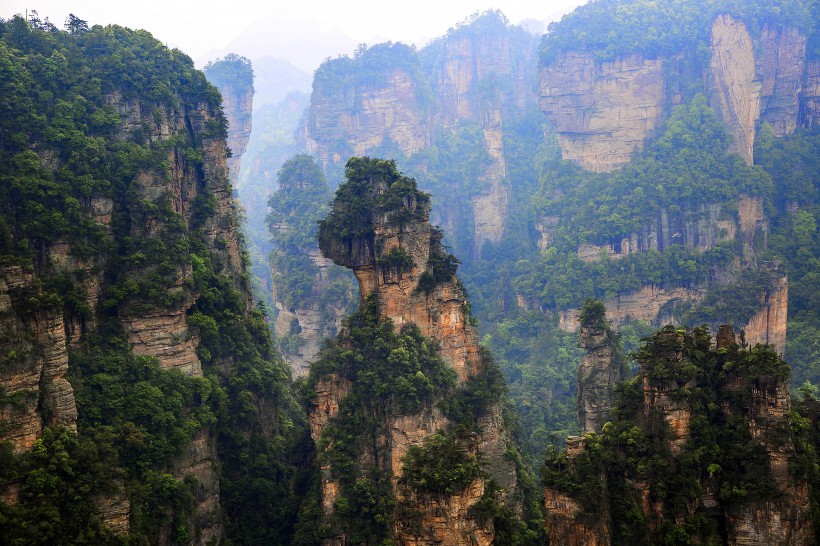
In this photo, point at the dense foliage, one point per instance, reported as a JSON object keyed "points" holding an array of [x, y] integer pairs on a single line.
{"points": [[793, 163], [610, 29], [231, 71], [374, 188], [64, 148], [719, 455], [389, 374], [302, 199]]}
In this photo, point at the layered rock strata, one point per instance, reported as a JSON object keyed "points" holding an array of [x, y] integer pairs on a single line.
{"points": [[603, 112], [440, 313], [34, 392], [363, 116]]}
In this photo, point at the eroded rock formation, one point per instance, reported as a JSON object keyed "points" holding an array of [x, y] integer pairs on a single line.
{"points": [[34, 392], [666, 412], [734, 84], [603, 112], [403, 268], [599, 372]]}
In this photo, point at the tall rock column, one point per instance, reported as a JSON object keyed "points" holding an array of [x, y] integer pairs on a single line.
{"points": [[600, 370], [233, 76], [379, 228], [735, 88]]}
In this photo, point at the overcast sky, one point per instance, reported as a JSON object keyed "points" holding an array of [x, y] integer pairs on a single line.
{"points": [[206, 28]]}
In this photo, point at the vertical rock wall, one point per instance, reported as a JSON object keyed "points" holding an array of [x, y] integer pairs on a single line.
{"points": [[33, 390], [598, 374], [603, 112], [734, 85], [441, 315]]}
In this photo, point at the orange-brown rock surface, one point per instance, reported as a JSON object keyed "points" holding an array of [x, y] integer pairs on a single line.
{"points": [[33, 389], [441, 314]]}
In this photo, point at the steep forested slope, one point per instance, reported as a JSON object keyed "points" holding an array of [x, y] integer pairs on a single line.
{"points": [[138, 384]]}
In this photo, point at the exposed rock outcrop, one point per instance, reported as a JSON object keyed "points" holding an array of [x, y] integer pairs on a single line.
{"points": [[768, 326], [781, 66], [734, 85], [238, 106], [484, 77], [349, 116], [34, 392], [233, 76], [391, 101], [810, 95], [598, 373], [312, 319], [648, 304], [603, 112], [422, 291]]}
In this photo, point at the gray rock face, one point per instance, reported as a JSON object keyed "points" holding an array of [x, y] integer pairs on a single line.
{"points": [[598, 374]]}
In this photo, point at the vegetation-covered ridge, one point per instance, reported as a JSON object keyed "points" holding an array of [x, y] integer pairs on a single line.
{"points": [[612, 29], [696, 433], [112, 151], [230, 71], [371, 67]]}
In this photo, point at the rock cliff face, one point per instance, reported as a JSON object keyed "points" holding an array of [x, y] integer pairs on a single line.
{"points": [[349, 117], [809, 97], [233, 76], [164, 332], [472, 76], [485, 78], [36, 393], [313, 320], [603, 112], [33, 390], [670, 386], [701, 227], [237, 103], [419, 293], [734, 85], [782, 69], [769, 324], [598, 374]]}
